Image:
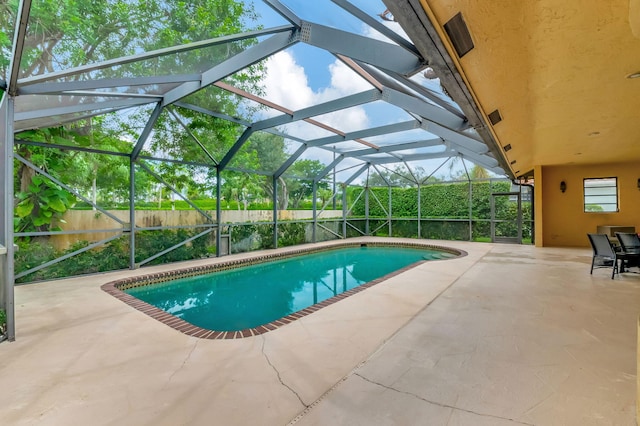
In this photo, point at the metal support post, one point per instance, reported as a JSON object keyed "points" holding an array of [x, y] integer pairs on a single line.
{"points": [[275, 212], [334, 179], [219, 215], [315, 213], [390, 214], [344, 211], [419, 212], [6, 215], [366, 210], [470, 211], [132, 213]]}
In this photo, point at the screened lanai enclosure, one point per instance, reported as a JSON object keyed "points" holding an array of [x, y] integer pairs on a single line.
{"points": [[142, 132]]}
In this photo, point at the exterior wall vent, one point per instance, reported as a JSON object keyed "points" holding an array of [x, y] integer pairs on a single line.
{"points": [[495, 117], [459, 34]]}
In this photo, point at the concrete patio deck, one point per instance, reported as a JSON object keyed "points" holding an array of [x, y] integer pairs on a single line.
{"points": [[507, 335]]}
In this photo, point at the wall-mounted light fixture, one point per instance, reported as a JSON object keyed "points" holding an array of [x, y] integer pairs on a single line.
{"points": [[563, 186], [638, 183]]}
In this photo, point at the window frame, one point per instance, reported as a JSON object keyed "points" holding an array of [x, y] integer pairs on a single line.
{"points": [[585, 197]]}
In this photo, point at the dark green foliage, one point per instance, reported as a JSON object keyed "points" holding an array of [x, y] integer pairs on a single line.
{"points": [[265, 231], [445, 230], [359, 224], [291, 233], [29, 255], [112, 256], [404, 228], [32, 254], [149, 243]]}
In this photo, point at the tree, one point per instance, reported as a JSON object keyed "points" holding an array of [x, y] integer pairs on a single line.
{"points": [[271, 155], [240, 187], [478, 172], [302, 188]]}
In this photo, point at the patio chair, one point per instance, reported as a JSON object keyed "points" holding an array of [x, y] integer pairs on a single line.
{"points": [[604, 255], [630, 245]]}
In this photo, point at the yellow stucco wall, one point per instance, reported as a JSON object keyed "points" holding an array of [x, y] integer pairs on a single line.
{"points": [[564, 222]]}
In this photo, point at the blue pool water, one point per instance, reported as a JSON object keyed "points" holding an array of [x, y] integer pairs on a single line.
{"points": [[254, 295]]}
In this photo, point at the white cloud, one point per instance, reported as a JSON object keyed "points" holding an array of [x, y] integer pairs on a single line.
{"points": [[344, 82], [287, 85], [286, 82]]}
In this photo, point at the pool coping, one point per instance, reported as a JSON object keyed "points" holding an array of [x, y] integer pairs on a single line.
{"points": [[115, 288]]}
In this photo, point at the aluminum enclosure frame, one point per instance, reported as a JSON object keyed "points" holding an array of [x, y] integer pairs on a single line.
{"points": [[388, 66]]}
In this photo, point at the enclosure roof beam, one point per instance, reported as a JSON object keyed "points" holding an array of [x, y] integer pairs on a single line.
{"points": [[374, 131], [106, 83], [236, 120], [381, 175], [458, 139], [483, 160], [359, 69], [422, 108], [290, 161], [280, 108], [151, 97], [146, 132], [284, 11], [319, 109], [396, 147], [104, 107], [57, 121], [174, 161], [22, 20], [410, 157], [378, 53], [235, 148], [211, 113], [154, 54], [70, 148], [190, 133], [356, 174], [327, 169], [488, 163], [392, 80], [237, 62], [378, 26]]}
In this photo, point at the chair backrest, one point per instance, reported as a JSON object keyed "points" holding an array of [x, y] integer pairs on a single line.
{"points": [[628, 241], [601, 245]]}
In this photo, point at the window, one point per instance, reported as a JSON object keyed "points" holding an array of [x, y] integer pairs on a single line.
{"points": [[601, 195]]}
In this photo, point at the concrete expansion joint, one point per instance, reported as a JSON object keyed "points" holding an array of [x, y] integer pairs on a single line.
{"points": [[280, 378], [438, 403]]}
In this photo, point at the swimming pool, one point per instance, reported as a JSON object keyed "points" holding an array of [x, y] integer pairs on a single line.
{"points": [[252, 296]]}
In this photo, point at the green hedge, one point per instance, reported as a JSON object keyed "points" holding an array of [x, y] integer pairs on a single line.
{"points": [[449, 201]]}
